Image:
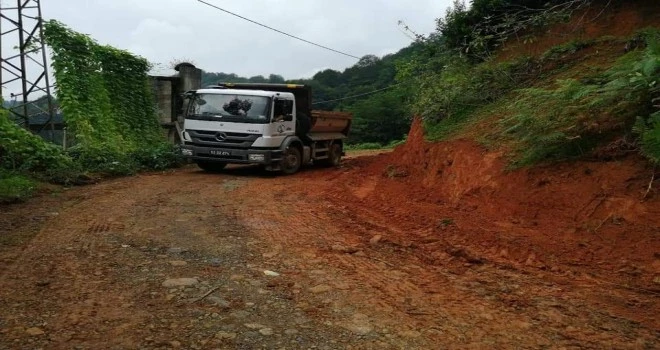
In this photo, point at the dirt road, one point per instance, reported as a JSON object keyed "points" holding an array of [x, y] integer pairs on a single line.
{"points": [[242, 260]]}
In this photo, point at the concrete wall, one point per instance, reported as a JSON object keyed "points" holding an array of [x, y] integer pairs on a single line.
{"points": [[164, 103], [191, 77]]}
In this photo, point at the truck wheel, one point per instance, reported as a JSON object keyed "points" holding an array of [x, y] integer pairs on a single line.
{"points": [[212, 167], [334, 156], [291, 160]]}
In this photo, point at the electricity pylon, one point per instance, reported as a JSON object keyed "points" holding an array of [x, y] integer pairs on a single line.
{"points": [[23, 65]]}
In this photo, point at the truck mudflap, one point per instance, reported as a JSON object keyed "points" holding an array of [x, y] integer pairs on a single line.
{"points": [[228, 155]]}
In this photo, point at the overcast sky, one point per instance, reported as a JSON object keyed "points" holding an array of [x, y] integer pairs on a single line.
{"points": [[164, 30]]}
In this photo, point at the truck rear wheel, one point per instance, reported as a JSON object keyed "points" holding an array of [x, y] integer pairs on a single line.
{"points": [[334, 156], [291, 160], [212, 167]]}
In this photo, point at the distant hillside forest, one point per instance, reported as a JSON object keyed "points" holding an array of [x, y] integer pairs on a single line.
{"points": [[382, 117]]}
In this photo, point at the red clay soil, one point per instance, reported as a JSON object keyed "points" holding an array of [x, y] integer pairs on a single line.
{"points": [[585, 221], [431, 246], [618, 19]]}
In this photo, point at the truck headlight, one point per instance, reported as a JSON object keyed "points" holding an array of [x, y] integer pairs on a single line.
{"points": [[257, 157], [186, 152]]}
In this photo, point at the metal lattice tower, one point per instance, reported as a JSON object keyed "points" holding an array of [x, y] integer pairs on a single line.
{"points": [[23, 65]]}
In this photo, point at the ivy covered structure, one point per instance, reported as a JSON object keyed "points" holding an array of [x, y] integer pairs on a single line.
{"points": [[105, 95]]}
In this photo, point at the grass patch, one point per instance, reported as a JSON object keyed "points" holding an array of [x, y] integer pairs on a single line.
{"points": [[15, 187], [373, 145], [363, 146]]}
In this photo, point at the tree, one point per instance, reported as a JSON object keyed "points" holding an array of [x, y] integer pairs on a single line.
{"points": [[380, 118], [276, 79]]}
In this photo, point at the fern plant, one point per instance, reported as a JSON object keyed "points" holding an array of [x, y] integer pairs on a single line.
{"points": [[647, 75], [648, 130]]}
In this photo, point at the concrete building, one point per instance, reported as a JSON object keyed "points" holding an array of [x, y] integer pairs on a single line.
{"points": [[168, 92]]}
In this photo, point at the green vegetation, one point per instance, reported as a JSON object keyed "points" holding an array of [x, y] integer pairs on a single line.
{"points": [[209, 78], [562, 120], [576, 115], [536, 118], [14, 187], [364, 146], [374, 145], [20, 150], [481, 29], [104, 93]]}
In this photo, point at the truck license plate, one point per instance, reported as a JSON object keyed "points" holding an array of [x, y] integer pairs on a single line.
{"points": [[220, 153]]}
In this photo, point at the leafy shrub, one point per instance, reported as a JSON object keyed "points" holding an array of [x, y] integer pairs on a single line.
{"points": [[103, 160], [396, 143], [647, 76], [649, 133], [14, 187], [567, 48], [159, 157], [23, 151], [105, 96], [446, 99]]}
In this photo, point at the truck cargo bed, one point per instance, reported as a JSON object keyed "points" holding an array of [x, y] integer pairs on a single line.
{"points": [[330, 122]]}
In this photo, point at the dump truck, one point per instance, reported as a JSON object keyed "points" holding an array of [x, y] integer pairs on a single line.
{"points": [[268, 124]]}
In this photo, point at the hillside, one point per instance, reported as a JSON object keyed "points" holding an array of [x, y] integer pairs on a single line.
{"points": [[546, 97]]}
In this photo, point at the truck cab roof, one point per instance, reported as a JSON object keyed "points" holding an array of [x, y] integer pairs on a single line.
{"points": [[263, 93]]}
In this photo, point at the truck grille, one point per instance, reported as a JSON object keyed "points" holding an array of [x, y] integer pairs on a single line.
{"points": [[222, 139]]}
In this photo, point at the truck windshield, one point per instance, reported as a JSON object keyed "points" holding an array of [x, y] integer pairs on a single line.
{"points": [[231, 108]]}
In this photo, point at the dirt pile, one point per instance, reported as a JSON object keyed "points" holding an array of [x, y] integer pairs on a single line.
{"points": [[456, 200]]}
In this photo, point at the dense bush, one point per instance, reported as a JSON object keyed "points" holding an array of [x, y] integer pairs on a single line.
{"points": [[105, 95], [14, 187], [21, 150]]}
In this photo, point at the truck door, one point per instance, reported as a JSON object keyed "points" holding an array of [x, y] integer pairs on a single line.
{"points": [[284, 117]]}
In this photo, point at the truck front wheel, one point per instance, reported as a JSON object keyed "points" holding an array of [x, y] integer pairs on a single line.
{"points": [[212, 167], [291, 160]]}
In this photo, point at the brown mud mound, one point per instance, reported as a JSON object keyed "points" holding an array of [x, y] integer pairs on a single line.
{"points": [[582, 220]]}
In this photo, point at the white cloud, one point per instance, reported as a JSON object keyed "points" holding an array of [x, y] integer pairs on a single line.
{"points": [[150, 31]]}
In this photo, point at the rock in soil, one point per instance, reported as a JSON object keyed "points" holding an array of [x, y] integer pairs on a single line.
{"points": [[34, 331], [180, 282]]}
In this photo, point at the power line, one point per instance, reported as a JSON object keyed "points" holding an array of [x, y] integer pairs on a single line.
{"points": [[277, 30], [354, 96]]}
